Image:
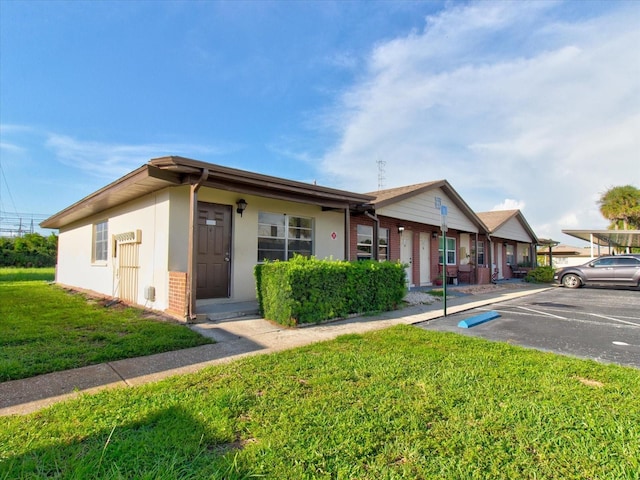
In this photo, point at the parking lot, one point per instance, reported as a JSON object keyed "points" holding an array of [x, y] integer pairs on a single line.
{"points": [[595, 323]]}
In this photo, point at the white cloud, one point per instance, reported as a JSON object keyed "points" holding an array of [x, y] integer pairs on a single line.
{"points": [[114, 160], [504, 100], [509, 204]]}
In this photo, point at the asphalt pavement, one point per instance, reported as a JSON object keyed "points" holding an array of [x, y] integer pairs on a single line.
{"points": [[592, 323]]}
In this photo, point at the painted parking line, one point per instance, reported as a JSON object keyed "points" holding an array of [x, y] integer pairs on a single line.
{"points": [[529, 312], [614, 319], [542, 313]]}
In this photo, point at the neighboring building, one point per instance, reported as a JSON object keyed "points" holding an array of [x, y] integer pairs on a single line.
{"points": [[177, 232], [511, 241], [568, 256], [409, 225]]}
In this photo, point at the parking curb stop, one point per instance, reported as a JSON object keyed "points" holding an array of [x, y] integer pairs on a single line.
{"points": [[478, 319]]}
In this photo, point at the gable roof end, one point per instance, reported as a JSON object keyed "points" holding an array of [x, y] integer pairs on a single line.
{"points": [[495, 219], [394, 195]]}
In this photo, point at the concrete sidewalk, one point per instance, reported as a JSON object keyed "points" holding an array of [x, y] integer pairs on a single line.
{"points": [[236, 338]]}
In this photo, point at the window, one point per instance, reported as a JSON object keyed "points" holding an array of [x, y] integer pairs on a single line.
{"points": [[480, 253], [100, 242], [511, 257], [604, 262], [365, 243], [451, 250], [281, 236], [383, 244], [627, 262]]}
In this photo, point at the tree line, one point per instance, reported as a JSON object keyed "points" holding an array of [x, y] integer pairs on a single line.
{"points": [[29, 250]]}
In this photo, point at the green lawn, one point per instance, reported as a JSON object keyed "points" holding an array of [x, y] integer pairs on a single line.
{"points": [[43, 328], [396, 403]]}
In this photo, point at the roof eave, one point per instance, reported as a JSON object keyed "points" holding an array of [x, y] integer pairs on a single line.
{"points": [[145, 179]]}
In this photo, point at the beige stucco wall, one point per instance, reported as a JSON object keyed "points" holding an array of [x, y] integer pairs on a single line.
{"points": [[163, 219], [244, 255], [150, 215]]}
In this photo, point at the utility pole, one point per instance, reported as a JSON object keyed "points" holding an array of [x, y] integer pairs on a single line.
{"points": [[444, 228]]}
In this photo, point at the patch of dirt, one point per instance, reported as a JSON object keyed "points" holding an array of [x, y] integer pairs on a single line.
{"points": [[492, 287], [590, 383]]}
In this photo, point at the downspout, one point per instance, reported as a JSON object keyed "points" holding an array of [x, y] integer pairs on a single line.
{"points": [[347, 233], [375, 254], [191, 262]]}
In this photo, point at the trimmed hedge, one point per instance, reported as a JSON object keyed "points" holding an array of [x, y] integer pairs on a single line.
{"points": [[307, 290], [540, 275]]}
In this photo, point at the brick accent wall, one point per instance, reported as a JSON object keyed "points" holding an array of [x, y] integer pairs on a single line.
{"points": [[177, 294]]}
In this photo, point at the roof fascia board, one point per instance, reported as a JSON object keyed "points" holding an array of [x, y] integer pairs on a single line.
{"points": [[243, 177], [138, 175], [278, 194]]}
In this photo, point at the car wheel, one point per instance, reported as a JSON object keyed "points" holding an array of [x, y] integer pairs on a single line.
{"points": [[571, 281]]}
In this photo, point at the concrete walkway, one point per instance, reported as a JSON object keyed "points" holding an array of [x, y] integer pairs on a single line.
{"points": [[236, 338]]}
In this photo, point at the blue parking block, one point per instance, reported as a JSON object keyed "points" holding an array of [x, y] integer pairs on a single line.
{"points": [[478, 319]]}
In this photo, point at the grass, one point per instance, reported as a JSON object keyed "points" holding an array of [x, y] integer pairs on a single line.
{"points": [[44, 328], [11, 274], [396, 403]]}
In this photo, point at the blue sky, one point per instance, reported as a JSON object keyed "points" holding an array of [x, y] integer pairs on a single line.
{"points": [[531, 105]]}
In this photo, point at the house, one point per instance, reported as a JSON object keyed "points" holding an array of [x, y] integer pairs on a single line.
{"points": [[177, 233], [409, 221], [511, 242], [567, 255]]}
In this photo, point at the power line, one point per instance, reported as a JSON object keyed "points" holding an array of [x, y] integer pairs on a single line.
{"points": [[8, 190]]}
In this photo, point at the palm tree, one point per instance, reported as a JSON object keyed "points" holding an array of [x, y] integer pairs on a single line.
{"points": [[621, 206]]}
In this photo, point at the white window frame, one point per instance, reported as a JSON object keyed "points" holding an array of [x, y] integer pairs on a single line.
{"points": [[100, 243], [511, 257], [283, 231], [451, 252], [480, 252], [364, 243], [383, 248]]}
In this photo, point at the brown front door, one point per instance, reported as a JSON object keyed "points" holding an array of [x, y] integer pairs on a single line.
{"points": [[213, 244]]}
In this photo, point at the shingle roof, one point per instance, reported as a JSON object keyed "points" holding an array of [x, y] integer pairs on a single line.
{"points": [[495, 219], [398, 193]]}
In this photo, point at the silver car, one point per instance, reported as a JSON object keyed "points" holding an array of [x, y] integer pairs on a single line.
{"points": [[623, 270]]}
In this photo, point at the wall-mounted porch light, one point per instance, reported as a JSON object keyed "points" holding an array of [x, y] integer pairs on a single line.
{"points": [[505, 243], [242, 205], [400, 229], [434, 234]]}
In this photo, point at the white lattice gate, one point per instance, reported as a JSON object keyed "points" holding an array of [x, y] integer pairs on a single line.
{"points": [[127, 250]]}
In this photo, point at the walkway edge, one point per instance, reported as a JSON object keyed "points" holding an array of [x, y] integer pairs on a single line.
{"points": [[21, 397]]}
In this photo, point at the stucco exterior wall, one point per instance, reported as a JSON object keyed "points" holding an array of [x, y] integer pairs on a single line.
{"points": [[150, 215], [244, 255]]}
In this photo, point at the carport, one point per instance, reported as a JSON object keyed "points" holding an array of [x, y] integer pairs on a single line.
{"points": [[620, 239]]}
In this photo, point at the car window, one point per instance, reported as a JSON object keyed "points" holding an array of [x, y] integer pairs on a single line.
{"points": [[603, 262], [627, 262]]}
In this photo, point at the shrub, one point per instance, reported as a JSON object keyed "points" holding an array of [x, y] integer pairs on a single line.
{"points": [[307, 290], [540, 275]]}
